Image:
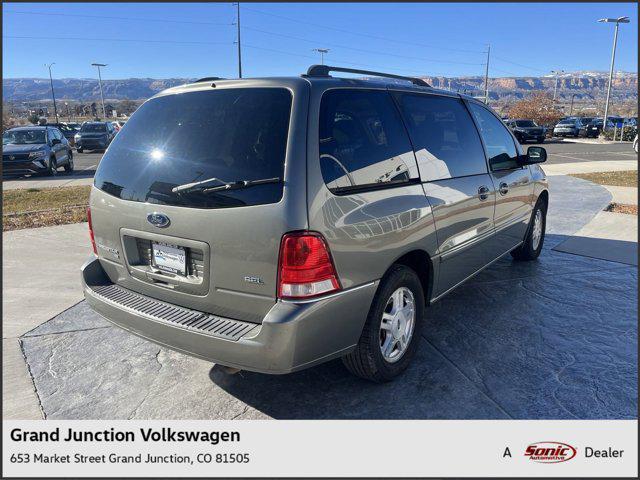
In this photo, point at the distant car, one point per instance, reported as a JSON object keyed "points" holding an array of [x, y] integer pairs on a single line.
{"points": [[526, 130], [568, 128], [36, 149], [631, 122], [94, 136], [68, 132], [594, 128]]}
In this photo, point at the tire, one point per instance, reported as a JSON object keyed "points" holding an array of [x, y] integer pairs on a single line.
{"points": [[79, 150], [53, 167], [69, 166], [367, 360], [531, 248], [541, 140]]}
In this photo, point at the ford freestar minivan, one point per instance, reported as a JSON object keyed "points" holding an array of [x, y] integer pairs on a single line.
{"points": [[274, 224]]}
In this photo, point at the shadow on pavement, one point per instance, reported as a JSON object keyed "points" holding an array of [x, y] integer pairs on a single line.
{"points": [[555, 338]]}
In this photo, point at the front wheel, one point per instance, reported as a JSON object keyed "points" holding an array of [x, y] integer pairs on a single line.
{"points": [[391, 333], [53, 167], [532, 246], [69, 166]]}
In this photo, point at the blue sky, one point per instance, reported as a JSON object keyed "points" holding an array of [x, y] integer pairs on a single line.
{"points": [[429, 39]]}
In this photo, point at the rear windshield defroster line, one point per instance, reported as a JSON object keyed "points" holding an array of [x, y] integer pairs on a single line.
{"points": [[174, 140]]}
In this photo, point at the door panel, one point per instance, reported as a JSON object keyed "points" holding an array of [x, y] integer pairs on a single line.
{"points": [[513, 207], [464, 222]]}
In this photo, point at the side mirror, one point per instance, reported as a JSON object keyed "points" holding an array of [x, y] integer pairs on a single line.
{"points": [[56, 141], [534, 155]]}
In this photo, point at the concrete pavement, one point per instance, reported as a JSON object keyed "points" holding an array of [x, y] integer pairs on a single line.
{"points": [[623, 195], [590, 167], [40, 279]]}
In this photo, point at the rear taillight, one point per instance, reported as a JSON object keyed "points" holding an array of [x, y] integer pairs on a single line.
{"points": [[93, 240], [306, 268]]}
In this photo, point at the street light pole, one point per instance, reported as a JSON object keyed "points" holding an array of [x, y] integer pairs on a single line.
{"points": [[98, 65], [486, 77], [239, 45], [555, 89], [321, 51], [573, 95], [55, 109], [617, 21]]}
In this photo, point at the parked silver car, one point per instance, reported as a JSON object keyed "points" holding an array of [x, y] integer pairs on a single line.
{"points": [[274, 224]]}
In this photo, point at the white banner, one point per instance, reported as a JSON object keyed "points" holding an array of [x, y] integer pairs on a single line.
{"points": [[415, 448]]}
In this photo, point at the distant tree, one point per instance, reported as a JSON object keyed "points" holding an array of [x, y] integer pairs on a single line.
{"points": [[539, 107], [126, 106], [33, 118]]}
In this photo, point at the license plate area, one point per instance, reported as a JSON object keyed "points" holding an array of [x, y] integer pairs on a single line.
{"points": [[169, 258], [191, 277]]}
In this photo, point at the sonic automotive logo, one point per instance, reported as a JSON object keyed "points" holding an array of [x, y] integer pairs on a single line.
{"points": [[550, 452]]}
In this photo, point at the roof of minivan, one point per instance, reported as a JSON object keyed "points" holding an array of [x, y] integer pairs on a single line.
{"points": [[293, 82]]}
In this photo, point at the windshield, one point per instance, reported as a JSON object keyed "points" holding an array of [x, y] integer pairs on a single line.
{"points": [[229, 134], [24, 137], [525, 123], [94, 127]]}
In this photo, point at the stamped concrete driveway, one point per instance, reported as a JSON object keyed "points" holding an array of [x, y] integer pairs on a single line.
{"points": [[556, 338]]}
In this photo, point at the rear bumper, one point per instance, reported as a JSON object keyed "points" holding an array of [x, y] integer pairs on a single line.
{"points": [[291, 337], [91, 144]]}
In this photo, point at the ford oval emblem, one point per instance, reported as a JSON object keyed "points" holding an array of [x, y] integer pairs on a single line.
{"points": [[159, 220]]}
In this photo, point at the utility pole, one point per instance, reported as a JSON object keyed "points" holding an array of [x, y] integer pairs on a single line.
{"points": [[486, 77], [104, 112], [573, 95], [239, 45], [55, 109], [617, 21], [321, 51], [555, 89]]}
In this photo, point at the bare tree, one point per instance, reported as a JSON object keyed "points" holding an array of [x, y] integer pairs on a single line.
{"points": [[539, 107]]}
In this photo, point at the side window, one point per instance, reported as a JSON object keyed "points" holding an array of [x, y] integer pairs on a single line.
{"points": [[363, 141], [501, 150], [446, 141]]}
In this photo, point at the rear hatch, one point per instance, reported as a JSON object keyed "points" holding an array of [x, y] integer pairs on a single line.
{"points": [[208, 247]]}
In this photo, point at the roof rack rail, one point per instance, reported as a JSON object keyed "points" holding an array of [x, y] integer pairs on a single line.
{"points": [[323, 71], [208, 79]]}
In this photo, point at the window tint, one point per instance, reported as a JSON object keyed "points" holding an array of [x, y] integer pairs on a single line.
{"points": [[230, 134], [444, 136], [500, 147], [363, 141]]}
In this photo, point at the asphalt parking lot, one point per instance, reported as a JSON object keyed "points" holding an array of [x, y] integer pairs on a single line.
{"points": [[555, 338]]}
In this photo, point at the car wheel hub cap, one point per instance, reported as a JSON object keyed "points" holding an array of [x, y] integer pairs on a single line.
{"points": [[537, 229], [398, 321]]}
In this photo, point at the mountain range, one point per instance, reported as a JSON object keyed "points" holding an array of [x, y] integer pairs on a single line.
{"points": [[585, 86]]}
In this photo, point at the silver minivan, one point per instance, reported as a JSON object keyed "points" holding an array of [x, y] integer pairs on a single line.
{"points": [[274, 224]]}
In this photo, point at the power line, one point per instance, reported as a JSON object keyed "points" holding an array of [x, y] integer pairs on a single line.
{"points": [[350, 32], [101, 17], [375, 52], [339, 61], [115, 39]]}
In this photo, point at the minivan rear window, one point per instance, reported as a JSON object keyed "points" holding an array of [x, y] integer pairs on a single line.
{"points": [[228, 134]]}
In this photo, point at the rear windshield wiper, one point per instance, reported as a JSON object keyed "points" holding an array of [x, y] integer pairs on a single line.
{"points": [[242, 184], [194, 185], [225, 185]]}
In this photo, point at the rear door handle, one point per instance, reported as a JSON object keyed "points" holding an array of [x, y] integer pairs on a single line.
{"points": [[483, 191], [503, 188]]}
